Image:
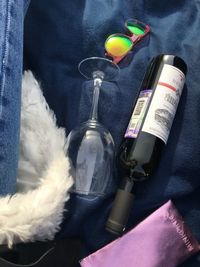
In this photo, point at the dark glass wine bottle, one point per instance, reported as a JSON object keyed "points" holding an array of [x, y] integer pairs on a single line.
{"points": [[147, 132]]}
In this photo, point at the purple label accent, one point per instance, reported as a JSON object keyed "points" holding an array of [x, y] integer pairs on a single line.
{"points": [[145, 92], [138, 114]]}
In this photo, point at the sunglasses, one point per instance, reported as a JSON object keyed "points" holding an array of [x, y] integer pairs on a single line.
{"points": [[118, 45]]}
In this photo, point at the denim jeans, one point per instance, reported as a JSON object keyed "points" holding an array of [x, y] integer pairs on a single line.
{"points": [[11, 55]]}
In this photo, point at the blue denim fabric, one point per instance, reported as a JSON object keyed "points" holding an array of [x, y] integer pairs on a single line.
{"points": [[58, 34], [11, 52]]}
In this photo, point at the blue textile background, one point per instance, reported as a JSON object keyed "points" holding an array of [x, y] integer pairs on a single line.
{"points": [[58, 34]]}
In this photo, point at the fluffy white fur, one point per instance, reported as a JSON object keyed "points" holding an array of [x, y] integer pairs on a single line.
{"points": [[35, 212]]}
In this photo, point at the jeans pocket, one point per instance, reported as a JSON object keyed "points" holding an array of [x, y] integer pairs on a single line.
{"points": [[58, 253], [13, 258]]}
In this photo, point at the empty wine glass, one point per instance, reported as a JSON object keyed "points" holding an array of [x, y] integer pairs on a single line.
{"points": [[90, 146]]}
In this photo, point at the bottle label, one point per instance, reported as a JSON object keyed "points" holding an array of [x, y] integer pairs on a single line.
{"points": [[138, 114], [164, 103]]}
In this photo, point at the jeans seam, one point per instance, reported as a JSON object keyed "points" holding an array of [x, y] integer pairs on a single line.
{"points": [[5, 52]]}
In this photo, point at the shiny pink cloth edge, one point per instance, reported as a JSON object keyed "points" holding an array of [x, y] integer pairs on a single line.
{"points": [[162, 239]]}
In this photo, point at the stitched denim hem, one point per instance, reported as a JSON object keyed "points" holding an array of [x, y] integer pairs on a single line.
{"points": [[5, 51], [11, 42]]}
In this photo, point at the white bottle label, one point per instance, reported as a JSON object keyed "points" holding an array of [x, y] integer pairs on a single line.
{"points": [[138, 114], [164, 103]]}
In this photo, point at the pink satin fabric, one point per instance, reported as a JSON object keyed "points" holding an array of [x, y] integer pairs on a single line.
{"points": [[162, 239]]}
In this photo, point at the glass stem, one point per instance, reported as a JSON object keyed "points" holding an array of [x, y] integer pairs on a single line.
{"points": [[98, 78]]}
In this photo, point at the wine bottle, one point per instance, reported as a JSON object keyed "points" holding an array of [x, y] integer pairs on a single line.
{"points": [[147, 132]]}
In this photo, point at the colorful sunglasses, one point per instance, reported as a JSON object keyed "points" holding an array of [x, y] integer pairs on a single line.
{"points": [[118, 45]]}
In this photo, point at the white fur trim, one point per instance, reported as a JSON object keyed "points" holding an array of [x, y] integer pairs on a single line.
{"points": [[37, 212]]}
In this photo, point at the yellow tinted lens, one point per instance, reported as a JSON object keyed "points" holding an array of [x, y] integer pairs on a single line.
{"points": [[118, 45]]}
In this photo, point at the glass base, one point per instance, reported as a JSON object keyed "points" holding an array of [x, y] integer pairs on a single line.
{"points": [[89, 66]]}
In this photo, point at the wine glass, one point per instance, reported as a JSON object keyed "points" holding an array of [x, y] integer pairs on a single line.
{"points": [[90, 146]]}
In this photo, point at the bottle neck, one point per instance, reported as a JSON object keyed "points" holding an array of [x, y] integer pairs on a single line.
{"points": [[127, 184]]}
